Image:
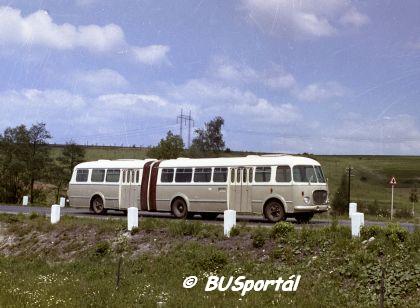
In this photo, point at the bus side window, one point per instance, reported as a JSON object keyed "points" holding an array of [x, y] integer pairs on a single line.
{"points": [[220, 175], [262, 174], [82, 175], [232, 175], [250, 174], [283, 174]]}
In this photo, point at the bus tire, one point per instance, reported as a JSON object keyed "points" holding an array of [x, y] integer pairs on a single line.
{"points": [[274, 211], [304, 218], [209, 216], [179, 208], [97, 205]]}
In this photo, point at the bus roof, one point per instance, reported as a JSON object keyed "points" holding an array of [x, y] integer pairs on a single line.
{"points": [[250, 160]]}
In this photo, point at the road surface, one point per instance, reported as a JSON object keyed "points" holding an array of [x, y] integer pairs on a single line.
{"points": [[250, 220]]}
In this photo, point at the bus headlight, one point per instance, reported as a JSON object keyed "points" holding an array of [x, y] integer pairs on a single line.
{"points": [[307, 200]]}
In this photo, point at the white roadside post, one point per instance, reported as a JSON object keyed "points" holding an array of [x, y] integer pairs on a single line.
{"points": [[393, 182], [55, 213], [352, 209], [229, 216], [62, 202], [357, 222], [132, 218], [25, 200]]}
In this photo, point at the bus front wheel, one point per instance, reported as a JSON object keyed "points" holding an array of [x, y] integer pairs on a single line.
{"points": [[97, 205], [179, 208], [274, 211]]}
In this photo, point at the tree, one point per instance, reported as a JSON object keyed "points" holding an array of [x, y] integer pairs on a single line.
{"points": [[72, 155], [339, 202], [210, 138], [24, 157], [170, 147], [38, 156]]}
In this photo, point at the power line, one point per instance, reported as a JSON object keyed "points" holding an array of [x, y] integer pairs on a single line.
{"points": [[182, 120]]}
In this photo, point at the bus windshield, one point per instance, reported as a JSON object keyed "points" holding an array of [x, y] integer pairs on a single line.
{"points": [[319, 174], [304, 174]]}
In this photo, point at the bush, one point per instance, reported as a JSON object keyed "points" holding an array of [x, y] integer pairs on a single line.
{"points": [[396, 233], [368, 231], [282, 229], [235, 231], [258, 237], [403, 213], [373, 208], [102, 249]]}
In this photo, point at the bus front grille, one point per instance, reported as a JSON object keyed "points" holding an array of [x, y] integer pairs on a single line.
{"points": [[320, 196]]}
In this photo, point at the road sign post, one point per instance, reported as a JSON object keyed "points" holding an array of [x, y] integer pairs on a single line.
{"points": [[393, 182]]}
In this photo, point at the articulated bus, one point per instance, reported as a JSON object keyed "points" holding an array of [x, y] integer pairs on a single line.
{"points": [[275, 186]]}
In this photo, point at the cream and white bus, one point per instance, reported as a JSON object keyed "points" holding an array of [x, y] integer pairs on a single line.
{"points": [[275, 186]]}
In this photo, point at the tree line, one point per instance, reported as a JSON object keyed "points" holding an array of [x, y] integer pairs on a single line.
{"points": [[26, 160], [208, 141]]}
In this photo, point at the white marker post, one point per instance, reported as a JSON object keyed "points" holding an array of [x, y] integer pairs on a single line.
{"points": [[132, 218], [62, 202], [357, 222], [229, 216], [393, 182], [25, 200], [352, 209], [55, 213]]}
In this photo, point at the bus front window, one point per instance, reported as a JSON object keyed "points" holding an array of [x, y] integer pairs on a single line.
{"points": [[304, 174], [319, 174]]}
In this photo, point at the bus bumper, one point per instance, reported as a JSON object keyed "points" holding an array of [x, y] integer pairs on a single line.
{"points": [[312, 208]]}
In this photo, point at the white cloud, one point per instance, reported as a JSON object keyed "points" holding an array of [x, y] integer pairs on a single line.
{"points": [[234, 72], [153, 54], [304, 18], [131, 100], [317, 92], [233, 103], [354, 18], [39, 29], [98, 81]]}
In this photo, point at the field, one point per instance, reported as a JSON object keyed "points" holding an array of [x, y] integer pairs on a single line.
{"points": [[369, 184], [88, 262]]}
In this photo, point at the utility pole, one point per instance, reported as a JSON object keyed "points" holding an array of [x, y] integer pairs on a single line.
{"points": [[183, 118], [349, 170]]}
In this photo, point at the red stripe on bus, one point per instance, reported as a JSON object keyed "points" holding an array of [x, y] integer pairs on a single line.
{"points": [[144, 186], [152, 189]]}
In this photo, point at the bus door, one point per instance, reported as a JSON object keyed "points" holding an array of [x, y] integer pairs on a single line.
{"points": [[240, 190], [129, 188]]}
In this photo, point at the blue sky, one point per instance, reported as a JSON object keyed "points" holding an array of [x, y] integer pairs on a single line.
{"points": [[327, 77]]}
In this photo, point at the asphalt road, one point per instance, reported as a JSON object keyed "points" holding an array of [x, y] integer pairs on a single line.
{"points": [[250, 220]]}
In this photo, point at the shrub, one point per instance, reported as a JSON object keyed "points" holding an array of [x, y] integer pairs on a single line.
{"points": [[258, 237], [368, 231], [102, 249], [403, 213], [282, 229], [235, 231], [396, 233]]}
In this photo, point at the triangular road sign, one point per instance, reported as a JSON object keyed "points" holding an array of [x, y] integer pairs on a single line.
{"points": [[393, 181]]}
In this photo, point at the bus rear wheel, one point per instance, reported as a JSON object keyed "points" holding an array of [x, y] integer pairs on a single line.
{"points": [[97, 206], [304, 218], [274, 211], [179, 208]]}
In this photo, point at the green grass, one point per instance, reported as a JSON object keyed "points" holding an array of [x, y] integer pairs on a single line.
{"points": [[75, 263]]}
